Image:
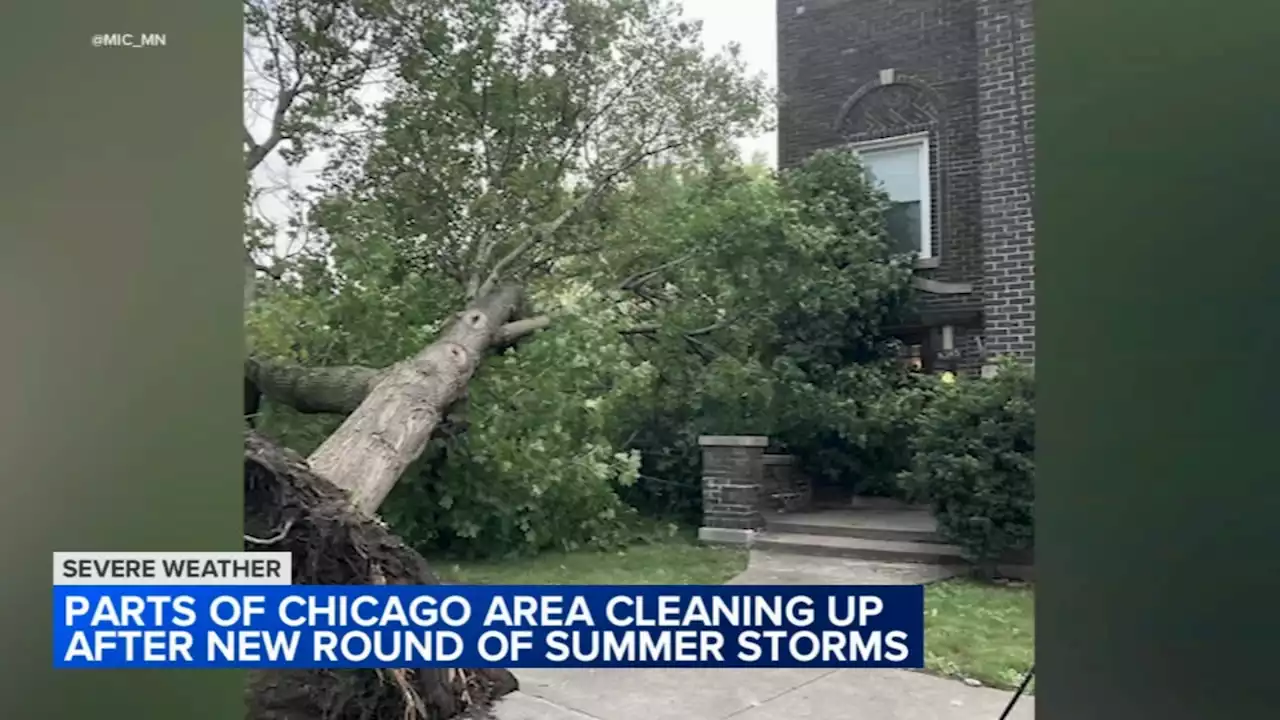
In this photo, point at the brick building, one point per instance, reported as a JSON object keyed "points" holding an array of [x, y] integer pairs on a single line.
{"points": [[937, 97]]}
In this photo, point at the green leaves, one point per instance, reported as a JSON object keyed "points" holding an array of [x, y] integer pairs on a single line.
{"points": [[767, 298], [507, 119], [309, 60], [584, 148], [974, 462], [537, 466]]}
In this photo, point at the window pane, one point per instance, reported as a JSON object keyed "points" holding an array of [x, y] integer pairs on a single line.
{"points": [[913, 357], [902, 220], [898, 170]]}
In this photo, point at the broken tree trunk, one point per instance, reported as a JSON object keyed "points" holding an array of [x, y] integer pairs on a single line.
{"points": [[390, 428], [289, 508]]}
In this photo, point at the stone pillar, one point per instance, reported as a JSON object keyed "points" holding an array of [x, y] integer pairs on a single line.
{"points": [[732, 481]]}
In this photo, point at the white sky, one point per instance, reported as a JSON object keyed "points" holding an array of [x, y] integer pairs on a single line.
{"points": [[750, 23]]}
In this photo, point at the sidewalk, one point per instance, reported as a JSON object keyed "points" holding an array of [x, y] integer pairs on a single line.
{"points": [[764, 694]]}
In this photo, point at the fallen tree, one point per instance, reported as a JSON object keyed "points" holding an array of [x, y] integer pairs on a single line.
{"points": [[367, 454], [291, 509], [473, 172], [322, 512]]}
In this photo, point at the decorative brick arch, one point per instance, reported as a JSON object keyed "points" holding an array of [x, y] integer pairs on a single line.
{"points": [[897, 104], [893, 102]]}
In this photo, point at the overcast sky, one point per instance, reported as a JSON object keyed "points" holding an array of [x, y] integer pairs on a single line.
{"points": [[750, 23]]}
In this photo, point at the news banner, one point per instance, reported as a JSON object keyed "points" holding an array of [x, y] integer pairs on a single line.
{"points": [[239, 610]]}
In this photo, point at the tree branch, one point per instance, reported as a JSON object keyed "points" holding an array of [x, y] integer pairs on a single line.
{"points": [[268, 270], [252, 148], [512, 332], [546, 230], [651, 328], [637, 279], [257, 152], [340, 390], [576, 139], [337, 390]]}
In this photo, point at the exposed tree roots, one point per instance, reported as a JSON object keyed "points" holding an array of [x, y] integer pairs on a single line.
{"points": [[289, 508]]}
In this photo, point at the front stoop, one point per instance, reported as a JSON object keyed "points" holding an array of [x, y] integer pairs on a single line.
{"points": [[855, 548], [883, 534], [909, 525]]}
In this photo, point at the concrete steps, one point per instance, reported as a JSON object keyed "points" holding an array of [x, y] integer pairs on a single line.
{"points": [[885, 533], [891, 534], [857, 548], [874, 528]]}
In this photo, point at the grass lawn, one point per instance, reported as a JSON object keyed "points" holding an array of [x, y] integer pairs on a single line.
{"points": [[980, 631], [972, 630], [675, 561]]}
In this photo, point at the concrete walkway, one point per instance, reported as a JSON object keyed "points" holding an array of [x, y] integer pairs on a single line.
{"points": [[764, 694]]}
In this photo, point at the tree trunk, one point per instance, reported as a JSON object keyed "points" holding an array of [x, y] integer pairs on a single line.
{"points": [[367, 454], [250, 281], [320, 511], [339, 390]]}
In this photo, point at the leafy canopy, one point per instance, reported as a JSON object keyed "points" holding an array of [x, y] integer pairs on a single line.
{"points": [[582, 148]]}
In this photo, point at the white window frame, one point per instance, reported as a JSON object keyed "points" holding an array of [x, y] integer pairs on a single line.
{"points": [[920, 140]]}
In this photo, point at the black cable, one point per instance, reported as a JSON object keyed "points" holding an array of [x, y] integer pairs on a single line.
{"points": [[1021, 689]]}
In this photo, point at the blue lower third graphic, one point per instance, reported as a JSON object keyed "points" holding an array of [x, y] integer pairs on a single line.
{"points": [[488, 626]]}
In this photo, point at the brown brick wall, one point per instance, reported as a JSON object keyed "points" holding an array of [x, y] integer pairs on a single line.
{"points": [[946, 61], [1006, 134]]}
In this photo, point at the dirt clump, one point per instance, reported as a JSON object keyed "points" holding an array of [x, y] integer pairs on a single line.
{"points": [[288, 508]]}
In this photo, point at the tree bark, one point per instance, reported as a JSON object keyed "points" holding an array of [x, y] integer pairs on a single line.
{"points": [[367, 454], [250, 280], [339, 390]]}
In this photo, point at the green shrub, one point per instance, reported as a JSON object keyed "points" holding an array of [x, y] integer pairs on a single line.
{"points": [[801, 361], [974, 463], [663, 421], [854, 432], [534, 466]]}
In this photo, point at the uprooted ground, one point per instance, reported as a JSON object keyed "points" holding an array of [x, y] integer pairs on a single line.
{"points": [[288, 508]]}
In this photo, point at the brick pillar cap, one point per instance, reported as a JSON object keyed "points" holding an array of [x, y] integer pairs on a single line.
{"points": [[733, 441]]}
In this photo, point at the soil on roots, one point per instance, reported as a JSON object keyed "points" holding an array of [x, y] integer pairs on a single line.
{"points": [[288, 508]]}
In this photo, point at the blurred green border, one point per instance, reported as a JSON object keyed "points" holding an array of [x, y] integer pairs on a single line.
{"points": [[121, 324], [121, 319], [1158, 293]]}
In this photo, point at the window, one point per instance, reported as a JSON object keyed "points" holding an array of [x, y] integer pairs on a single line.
{"points": [[917, 352], [901, 166], [913, 357], [929, 349]]}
